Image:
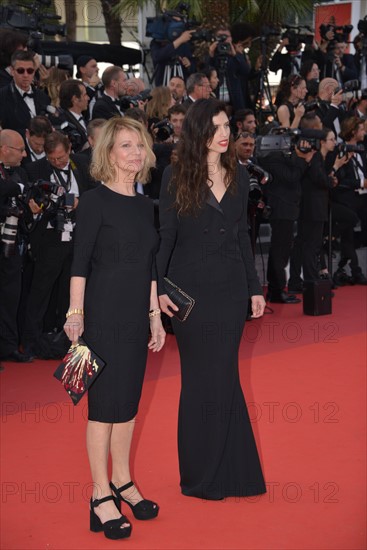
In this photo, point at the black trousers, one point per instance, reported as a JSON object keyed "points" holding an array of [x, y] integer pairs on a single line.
{"points": [[280, 249], [52, 266], [345, 219], [312, 235], [10, 289]]}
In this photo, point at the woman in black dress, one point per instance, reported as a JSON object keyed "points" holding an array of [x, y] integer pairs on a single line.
{"points": [[113, 282], [205, 250], [291, 94]]}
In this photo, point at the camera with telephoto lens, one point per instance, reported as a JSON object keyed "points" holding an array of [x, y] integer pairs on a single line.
{"points": [[351, 86], [126, 101], [164, 129], [223, 47], [345, 148], [342, 30], [310, 105], [10, 229], [76, 139], [258, 177]]}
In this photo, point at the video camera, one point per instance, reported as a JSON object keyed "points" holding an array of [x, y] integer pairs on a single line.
{"points": [[171, 24], [286, 140], [33, 22], [297, 36]]}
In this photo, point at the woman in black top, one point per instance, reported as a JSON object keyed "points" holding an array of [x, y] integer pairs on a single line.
{"points": [[115, 254], [291, 94], [205, 250]]}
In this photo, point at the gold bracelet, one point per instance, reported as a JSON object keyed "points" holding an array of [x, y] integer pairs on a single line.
{"points": [[74, 311], [154, 312]]}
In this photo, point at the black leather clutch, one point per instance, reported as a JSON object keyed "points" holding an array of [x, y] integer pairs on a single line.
{"points": [[183, 301]]}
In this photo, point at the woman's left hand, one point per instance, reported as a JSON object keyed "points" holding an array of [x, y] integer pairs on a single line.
{"points": [[158, 337], [258, 306]]}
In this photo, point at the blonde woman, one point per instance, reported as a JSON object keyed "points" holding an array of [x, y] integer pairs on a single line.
{"points": [[113, 300], [162, 100]]}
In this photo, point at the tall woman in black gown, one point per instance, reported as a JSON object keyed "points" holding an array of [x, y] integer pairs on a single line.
{"points": [[113, 282], [205, 250]]}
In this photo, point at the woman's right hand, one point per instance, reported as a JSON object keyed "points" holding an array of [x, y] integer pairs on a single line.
{"points": [[74, 327], [164, 302]]}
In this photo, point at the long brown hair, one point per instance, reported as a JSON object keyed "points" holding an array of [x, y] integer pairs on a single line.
{"points": [[190, 174]]}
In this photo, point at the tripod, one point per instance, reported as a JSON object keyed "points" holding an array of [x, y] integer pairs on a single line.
{"points": [[172, 70], [264, 92]]}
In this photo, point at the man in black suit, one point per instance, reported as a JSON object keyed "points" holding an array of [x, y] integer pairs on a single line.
{"points": [[51, 242], [330, 110], [114, 81], [10, 41], [19, 102], [39, 127], [197, 87], [73, 101], [12, 180], [284, 198], [87, 71]]}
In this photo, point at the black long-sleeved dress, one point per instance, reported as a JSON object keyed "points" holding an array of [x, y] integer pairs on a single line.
{"points": [[115, 244], [209, 256]]}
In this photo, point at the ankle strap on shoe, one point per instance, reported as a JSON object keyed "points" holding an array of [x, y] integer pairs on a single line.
{"points": [[119, 490], [96, 502]]}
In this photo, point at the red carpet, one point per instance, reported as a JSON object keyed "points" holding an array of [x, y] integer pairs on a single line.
{"points": [[305, 385]]}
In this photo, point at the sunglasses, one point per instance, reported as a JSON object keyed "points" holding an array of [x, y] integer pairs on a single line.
{"points": [[22, 70]]}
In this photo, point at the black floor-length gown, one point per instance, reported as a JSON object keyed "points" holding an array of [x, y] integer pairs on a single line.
{"points": [[115, 244], [209, 256]]}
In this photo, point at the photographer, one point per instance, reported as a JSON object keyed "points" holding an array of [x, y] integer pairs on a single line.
{"points": [[335, 63], [227, 56], [244, 121], [284, 198], [352, 188], [178, 89], [330, 109], [87, 71], [291, 94], [52, 239], [114, 82], [73, 101], [12, 181], [19, 102], [197, 87], [290, 63], [176, 55], [35, 135]]}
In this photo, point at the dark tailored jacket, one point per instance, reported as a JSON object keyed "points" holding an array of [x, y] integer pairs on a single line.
{"points": [[350, 71], [14, 112], [238, 73], [210, 248], [284, 192], [9, 188], [67, 116], [105, 108], [328, 114], [5, 78], [345, 191], [164, 53], [42, 169], [316, 186]]}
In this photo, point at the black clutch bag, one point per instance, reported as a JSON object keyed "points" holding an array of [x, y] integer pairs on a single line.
{"points": [[78, 370], [183, 301]]}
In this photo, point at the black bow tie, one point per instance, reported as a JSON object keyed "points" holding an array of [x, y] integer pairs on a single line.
{"points": [[64, 171], [28, 95]]}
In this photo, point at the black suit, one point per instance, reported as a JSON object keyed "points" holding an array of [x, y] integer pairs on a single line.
{"points": [[14, 112], [5, 78], [67, 116], [52, 256], [284, 198], [328, 114], [105, 108]]}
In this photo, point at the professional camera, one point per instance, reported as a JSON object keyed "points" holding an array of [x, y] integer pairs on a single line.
{"points": [[345, 148], [33, 22], [286, 140], [297, 36], [258, 178], [223, 47], [165, 129], [351, 86], [70, 130], [10, 229], [342, 31], [171, 23], [310, 105], [126, 101]]}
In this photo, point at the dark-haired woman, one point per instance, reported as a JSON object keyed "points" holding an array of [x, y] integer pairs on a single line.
{"points": [[205, 250], [291, 94]]}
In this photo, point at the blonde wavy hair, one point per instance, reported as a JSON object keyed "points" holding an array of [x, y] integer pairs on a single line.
{"points": [[102, 168], [160, 103]]}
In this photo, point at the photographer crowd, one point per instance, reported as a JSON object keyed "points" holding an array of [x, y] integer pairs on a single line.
{"points": [[308, 165]]}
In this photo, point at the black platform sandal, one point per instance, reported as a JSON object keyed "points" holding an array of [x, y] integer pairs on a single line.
{"points": [[145, 509], [112, 528]]}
